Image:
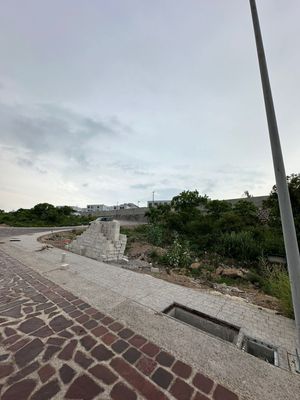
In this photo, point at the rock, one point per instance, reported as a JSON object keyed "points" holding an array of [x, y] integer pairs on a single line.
{"points": [[195, 265], [154, 269], [232, 273], [219, 271]]}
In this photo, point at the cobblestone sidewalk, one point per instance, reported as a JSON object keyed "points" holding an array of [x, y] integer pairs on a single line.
{"points": [[54, 345]]}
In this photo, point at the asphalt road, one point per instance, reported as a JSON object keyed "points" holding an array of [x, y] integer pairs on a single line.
{"points": [[15, 232], [8, 231]]}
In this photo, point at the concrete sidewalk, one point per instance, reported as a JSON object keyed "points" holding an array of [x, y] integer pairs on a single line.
{"points": [[137, 300]]}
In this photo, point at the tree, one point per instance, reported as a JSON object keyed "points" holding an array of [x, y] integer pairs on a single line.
{"points": [[272, 203], [187, 200], [217, 207]]}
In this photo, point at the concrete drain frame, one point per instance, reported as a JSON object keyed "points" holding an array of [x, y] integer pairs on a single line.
{"points": [[204, 322], [261, 350], [224, 331]]}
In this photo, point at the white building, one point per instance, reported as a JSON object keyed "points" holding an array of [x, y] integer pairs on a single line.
{"points": [[98, 207], [102, 207]]}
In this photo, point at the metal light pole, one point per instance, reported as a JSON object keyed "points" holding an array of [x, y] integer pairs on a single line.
{"points": [[287, 220]]}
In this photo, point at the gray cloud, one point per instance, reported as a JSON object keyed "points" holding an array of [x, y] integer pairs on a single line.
{"points": [[142, 186], [114, 101], [45, 128]]}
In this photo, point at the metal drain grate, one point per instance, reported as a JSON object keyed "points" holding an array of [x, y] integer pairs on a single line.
{"points": [[260, 350], [203, 322]]}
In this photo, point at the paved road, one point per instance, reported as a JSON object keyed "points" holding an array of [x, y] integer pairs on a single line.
{"points": [[14, 231], [54, 345]]}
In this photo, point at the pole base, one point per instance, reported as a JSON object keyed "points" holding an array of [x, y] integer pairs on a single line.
{"points": [[297, 362]]}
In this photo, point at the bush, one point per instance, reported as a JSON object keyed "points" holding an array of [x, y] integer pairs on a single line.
{"points": [[278, 285], [155, 234], [179, 254], [241, 246]]}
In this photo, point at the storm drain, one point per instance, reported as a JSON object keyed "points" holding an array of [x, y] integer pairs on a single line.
{"points": [[203, 322], [260, 350]]}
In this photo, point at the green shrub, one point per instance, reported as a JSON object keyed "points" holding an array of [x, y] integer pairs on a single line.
{"points": [[155, 234], [278, 285], [179, 254], [239, 245]]}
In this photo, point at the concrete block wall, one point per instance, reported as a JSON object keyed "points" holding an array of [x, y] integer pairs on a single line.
{"points": [[101, 241]]}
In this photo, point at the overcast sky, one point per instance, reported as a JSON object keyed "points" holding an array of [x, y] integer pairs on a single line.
{"points": [[105, 101]]}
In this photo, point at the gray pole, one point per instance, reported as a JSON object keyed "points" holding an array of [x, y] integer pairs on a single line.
{"points": [[287, 220]]}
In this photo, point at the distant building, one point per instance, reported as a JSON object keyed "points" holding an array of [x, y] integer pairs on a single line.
{"points": [[98, 207], [102, 207], [125, 206]]}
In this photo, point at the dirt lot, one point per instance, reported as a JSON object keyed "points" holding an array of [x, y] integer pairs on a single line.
{"points": [[138, 260]]}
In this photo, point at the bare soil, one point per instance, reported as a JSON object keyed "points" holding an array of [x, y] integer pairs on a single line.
{"points": [[138, 254]]}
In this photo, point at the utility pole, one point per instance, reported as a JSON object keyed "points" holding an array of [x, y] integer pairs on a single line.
{"points": [[153, 197], [287, 220]]}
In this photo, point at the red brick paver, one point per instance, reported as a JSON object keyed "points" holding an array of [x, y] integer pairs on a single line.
{"points": [[55, 345]]}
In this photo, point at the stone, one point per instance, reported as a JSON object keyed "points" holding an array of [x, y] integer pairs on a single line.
{"points": [[90, 324], [116, 326], [6, 370], [135, 379], [18, 345], [14, 312], [46, 372], [50, 351], [9, 331], [25, 387], [99, 331], [221, 393], [132, 355], [137, 341], [66, 373], [203, 383], [146, 365], [47, 391], [182, 390], [83, 388], [66, 334], [162, 378], [82, 360], [102, 353], [79, 330], [103, 373], [59, 323], [150, 349], [29, 352], [181, 369], [88, 342], [43, 332], [195, 265], [122, 392], [109, 338], [67, 352], [120, 346], [154, 270], [165, 359], [56, 341], [24, 372], [126, 333]]}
